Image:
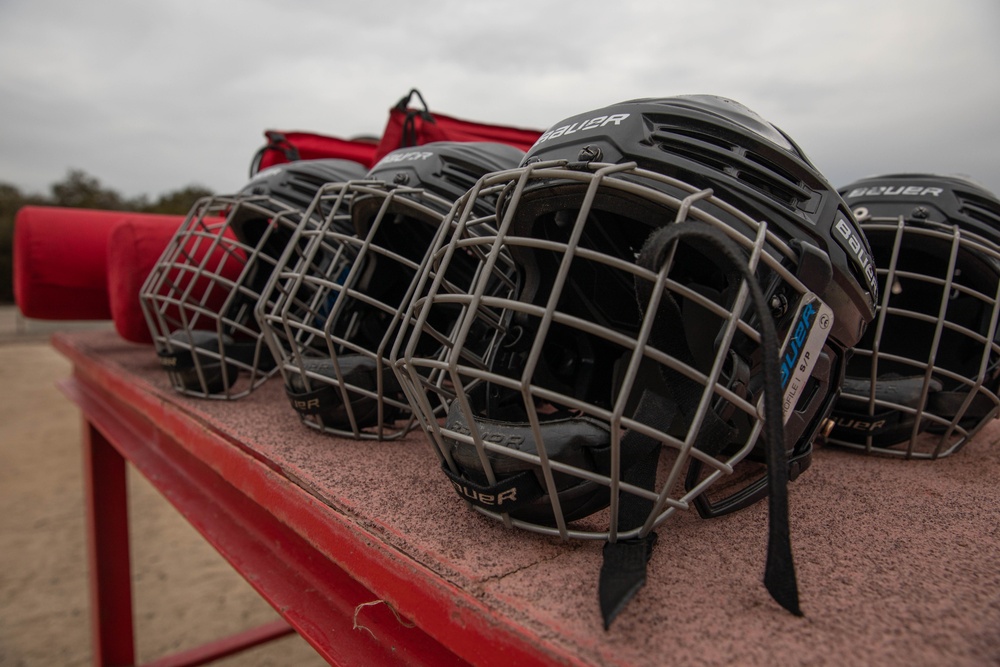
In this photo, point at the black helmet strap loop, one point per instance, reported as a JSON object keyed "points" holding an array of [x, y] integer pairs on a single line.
{"points": [[623, 571]]}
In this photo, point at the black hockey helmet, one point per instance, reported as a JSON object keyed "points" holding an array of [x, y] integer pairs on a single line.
{"points": [[341, 293], [660, 248], [199, 299], [925, 376]]}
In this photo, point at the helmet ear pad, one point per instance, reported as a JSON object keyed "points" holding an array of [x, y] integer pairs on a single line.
{"points": [[194, 364], [360, 382], [575, 441]]}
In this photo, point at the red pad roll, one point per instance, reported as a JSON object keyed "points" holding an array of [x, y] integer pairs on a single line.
{"points": [[190, 273], [134, 247], [61, 260]]}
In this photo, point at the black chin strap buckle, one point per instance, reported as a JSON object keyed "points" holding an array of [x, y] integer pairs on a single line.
{"points": [[799, 463], [751, 494]]}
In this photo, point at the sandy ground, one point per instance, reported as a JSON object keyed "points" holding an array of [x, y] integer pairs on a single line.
{"points": [[185, 594]]}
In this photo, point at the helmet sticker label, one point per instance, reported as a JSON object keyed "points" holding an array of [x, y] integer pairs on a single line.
{"points": [[582, 126], [803, 344], [849, 239]]}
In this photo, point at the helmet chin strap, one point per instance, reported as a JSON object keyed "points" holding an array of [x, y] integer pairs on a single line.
{"points": [[623, 572]]}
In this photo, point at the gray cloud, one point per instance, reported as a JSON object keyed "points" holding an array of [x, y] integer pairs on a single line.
{"points": [[150, 97]]}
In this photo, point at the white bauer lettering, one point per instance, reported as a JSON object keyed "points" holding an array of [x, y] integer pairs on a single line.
{"points": [[858, 425], [895, 191], [583, 126], [510, 495], [409, 156], [856, 247]]}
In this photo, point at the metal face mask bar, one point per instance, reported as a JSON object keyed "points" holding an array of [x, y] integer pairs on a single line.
{"points": [[625, 363], [345, 286], [337, 301], [924, 378], [199, 299], [564, 357], [661, 249]]}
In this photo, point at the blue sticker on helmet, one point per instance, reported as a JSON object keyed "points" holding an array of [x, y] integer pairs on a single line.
{"points": [[805, 340]]}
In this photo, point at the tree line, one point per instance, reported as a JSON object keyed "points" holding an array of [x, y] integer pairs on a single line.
{"points": [[79, 190]]}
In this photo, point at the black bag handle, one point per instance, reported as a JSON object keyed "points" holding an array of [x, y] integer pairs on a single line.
{"points": [[275, 141], [404, 105], [409, 126]]}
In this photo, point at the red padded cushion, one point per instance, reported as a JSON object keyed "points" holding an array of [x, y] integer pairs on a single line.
{"points": [[134, 247], [137, 247], [61, 260]]}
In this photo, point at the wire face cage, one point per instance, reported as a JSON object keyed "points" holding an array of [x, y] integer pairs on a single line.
{"points": [[337, 302], [924, 378], [199, 299], [613, 358]]}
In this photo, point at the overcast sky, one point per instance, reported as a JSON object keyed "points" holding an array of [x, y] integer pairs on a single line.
{"points": [[152, 96]]}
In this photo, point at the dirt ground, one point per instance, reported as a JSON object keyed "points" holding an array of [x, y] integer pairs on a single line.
{"points": [[185, 594]]}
